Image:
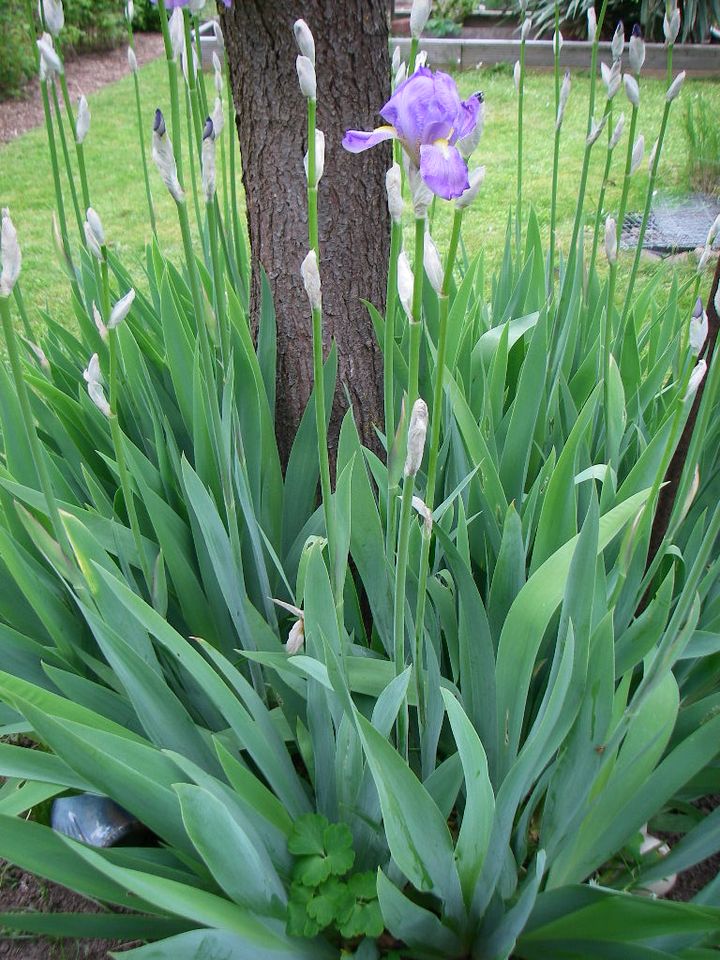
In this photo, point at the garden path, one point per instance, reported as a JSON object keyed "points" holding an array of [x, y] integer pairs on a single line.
{"points": [[85, 72]]}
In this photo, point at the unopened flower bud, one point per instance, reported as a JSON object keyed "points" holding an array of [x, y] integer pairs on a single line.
{"points": [[674, 88], [617, 44], [424, 511], [40, 355], [557, 43], [218, 117], [396, 60], [636, 50], [218, 34], [611, 240], [101, 328], [671, 26], [50, 62], [296, 637], [121, 309], [516, 75], [393, 186], [405, 283], [304, 40], [421, 194], [319, 159], [10, 254], [651, 158], [713, 231], [433, 264], [311, 279], [306, 77], [132, 60], [704, 257], [217, 74], [468, 145], [596, 128], [617, 132], [632, 91], [417, 431], [525, 29], [419, 14], [637, 154], [696, 378], [95, 224], [91, 242], [177, 32], [93, 378], [564, 94], [82, 124], [162, 153], [208, 161], [591, 24], [400, 75], [476, 178], [698, 328], [53, 15], [421, 59], [129, 11]]}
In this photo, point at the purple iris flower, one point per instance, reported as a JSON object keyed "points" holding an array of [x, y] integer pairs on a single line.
{"points": [[428, 117]]}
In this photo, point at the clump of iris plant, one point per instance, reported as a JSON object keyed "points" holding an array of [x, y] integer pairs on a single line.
{"points": [[429, 119]]}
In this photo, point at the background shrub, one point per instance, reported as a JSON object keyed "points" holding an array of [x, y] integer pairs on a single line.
{"points": [[17, 61]]}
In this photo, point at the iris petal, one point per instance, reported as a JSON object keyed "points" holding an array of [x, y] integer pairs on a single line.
{"points": [[443, 170], [358, 140], [467, 118]]}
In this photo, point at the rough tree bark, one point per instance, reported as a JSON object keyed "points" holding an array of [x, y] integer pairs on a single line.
{"points": [[353, 82]]}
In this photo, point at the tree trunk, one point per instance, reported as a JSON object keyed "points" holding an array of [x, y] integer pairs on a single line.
{"points": [[353, 72]]}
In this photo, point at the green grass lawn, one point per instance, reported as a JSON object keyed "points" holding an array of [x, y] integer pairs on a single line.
{"points": [[117, 188]]}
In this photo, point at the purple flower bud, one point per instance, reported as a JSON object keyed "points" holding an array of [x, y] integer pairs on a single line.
{"points": [[698, 328], [159, 123], [636, 52]]}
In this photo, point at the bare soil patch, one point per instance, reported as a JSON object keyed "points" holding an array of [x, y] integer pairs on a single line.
{"points": [[86, 72]]}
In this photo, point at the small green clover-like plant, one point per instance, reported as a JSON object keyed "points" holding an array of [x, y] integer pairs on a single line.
{"points": [[322, 848], [322, 897]]}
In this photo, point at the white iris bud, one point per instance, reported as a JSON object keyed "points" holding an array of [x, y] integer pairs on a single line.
{"points": [[208, 161], [476, 178], [698, 328], [674, 88], [617, 44], [419, 14], [433, 264], [636, 51], [53, 15], [632, 91], [591, 24], [637, 154], [121, 309], [405, 282], [319, 159], [617, 132], [132, 60], [564, 94], [10, 254], [393, 186], [671, 26], [162, 152], [82, 125], [311, 279], [696, 378], [305, 40], [306, 77], [611, 240], [417, 432]]}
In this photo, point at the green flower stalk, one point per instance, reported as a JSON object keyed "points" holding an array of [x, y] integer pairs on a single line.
{"points": [[519, 75], [305, 65], [209, 180], [556, 148], [415, 448], [393, 185], [133, 64], [671, 28], [11, 263], [614, 135], [670, 96]]}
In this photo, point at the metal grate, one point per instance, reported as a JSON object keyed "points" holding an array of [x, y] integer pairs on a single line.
{"points": [[673, 226]]}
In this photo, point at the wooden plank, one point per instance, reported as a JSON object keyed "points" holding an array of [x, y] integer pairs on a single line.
{"points": [[696, 59]]}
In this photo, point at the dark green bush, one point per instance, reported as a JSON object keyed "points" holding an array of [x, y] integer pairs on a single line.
{"points": [[17, 59], [93, 24], [146, 15]]}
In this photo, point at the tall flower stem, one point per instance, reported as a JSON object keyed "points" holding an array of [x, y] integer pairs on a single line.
{"points": [[36, 449], [141, 137], [22, 310], [218, 281], [521, 97], [556, 154], [68, 166], [668, 73], [433, 451], [593, 63], [192, 159], [646, 215], [317, 336], [408, 483], [237, 235], [116, 431], [414, 44], [173, 85], [601, 196], [79, 150], [626, 176], [389, 378]]}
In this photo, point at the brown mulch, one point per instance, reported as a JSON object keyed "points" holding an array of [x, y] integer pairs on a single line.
{"points": [[85, 73]]}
